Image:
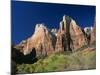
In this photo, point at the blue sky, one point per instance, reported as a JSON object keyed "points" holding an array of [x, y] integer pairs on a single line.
{"points": [[25, 15]]}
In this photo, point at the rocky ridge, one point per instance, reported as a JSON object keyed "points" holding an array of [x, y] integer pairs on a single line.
{"points": [[69, 37]]}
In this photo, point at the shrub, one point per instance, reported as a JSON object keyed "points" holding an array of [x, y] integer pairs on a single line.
{"points": [[61, 62]]}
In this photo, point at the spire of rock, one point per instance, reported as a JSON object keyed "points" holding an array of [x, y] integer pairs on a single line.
{"points": [[61, 25], [65, 23], [63, 36], [70, 36]]}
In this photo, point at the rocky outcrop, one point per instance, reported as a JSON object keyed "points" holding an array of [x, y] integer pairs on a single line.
{"points": [[69, 37], [18, 56], [54, 31], [78, 38], [88, 30], [63, 36], [93, 34], [42, 41], [59, 43], [87, 33]]}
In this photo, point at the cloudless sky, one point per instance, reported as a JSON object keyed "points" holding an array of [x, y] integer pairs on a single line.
{"points": [[25, 15]]}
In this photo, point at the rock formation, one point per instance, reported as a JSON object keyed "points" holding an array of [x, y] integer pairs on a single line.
{"points": [[78, 38], [69, 37], [63, 36], [42, 41], [59, 43], [93, 34], [87, 31], [54, 31]]}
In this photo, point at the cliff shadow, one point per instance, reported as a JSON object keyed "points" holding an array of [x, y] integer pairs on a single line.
{"points": [[18, 57]]}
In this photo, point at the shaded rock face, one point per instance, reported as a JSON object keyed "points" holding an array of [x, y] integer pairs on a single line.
{"points": [[63, 36], [19, 57], [54, 31], [87, 31], [93, 34], [59, 43]]}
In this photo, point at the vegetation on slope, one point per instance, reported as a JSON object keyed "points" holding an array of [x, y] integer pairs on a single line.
{"points": [[79, 60]]}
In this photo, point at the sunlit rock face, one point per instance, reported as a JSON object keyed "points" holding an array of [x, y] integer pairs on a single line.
{"points": [[69, 37], [42, 41], [78, 39]]}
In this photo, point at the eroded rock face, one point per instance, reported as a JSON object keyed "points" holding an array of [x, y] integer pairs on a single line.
{"points": [[59, 43], [42, 41], [93, 35], [69, 37], [54, 31], [78, 38], [87, 31], [63, 36]]}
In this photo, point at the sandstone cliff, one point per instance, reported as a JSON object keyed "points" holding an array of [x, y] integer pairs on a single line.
{"points": [[42, 41], [69, 37]]}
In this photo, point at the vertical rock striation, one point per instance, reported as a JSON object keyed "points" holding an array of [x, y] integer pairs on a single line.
{"points": [[69, 37]]}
